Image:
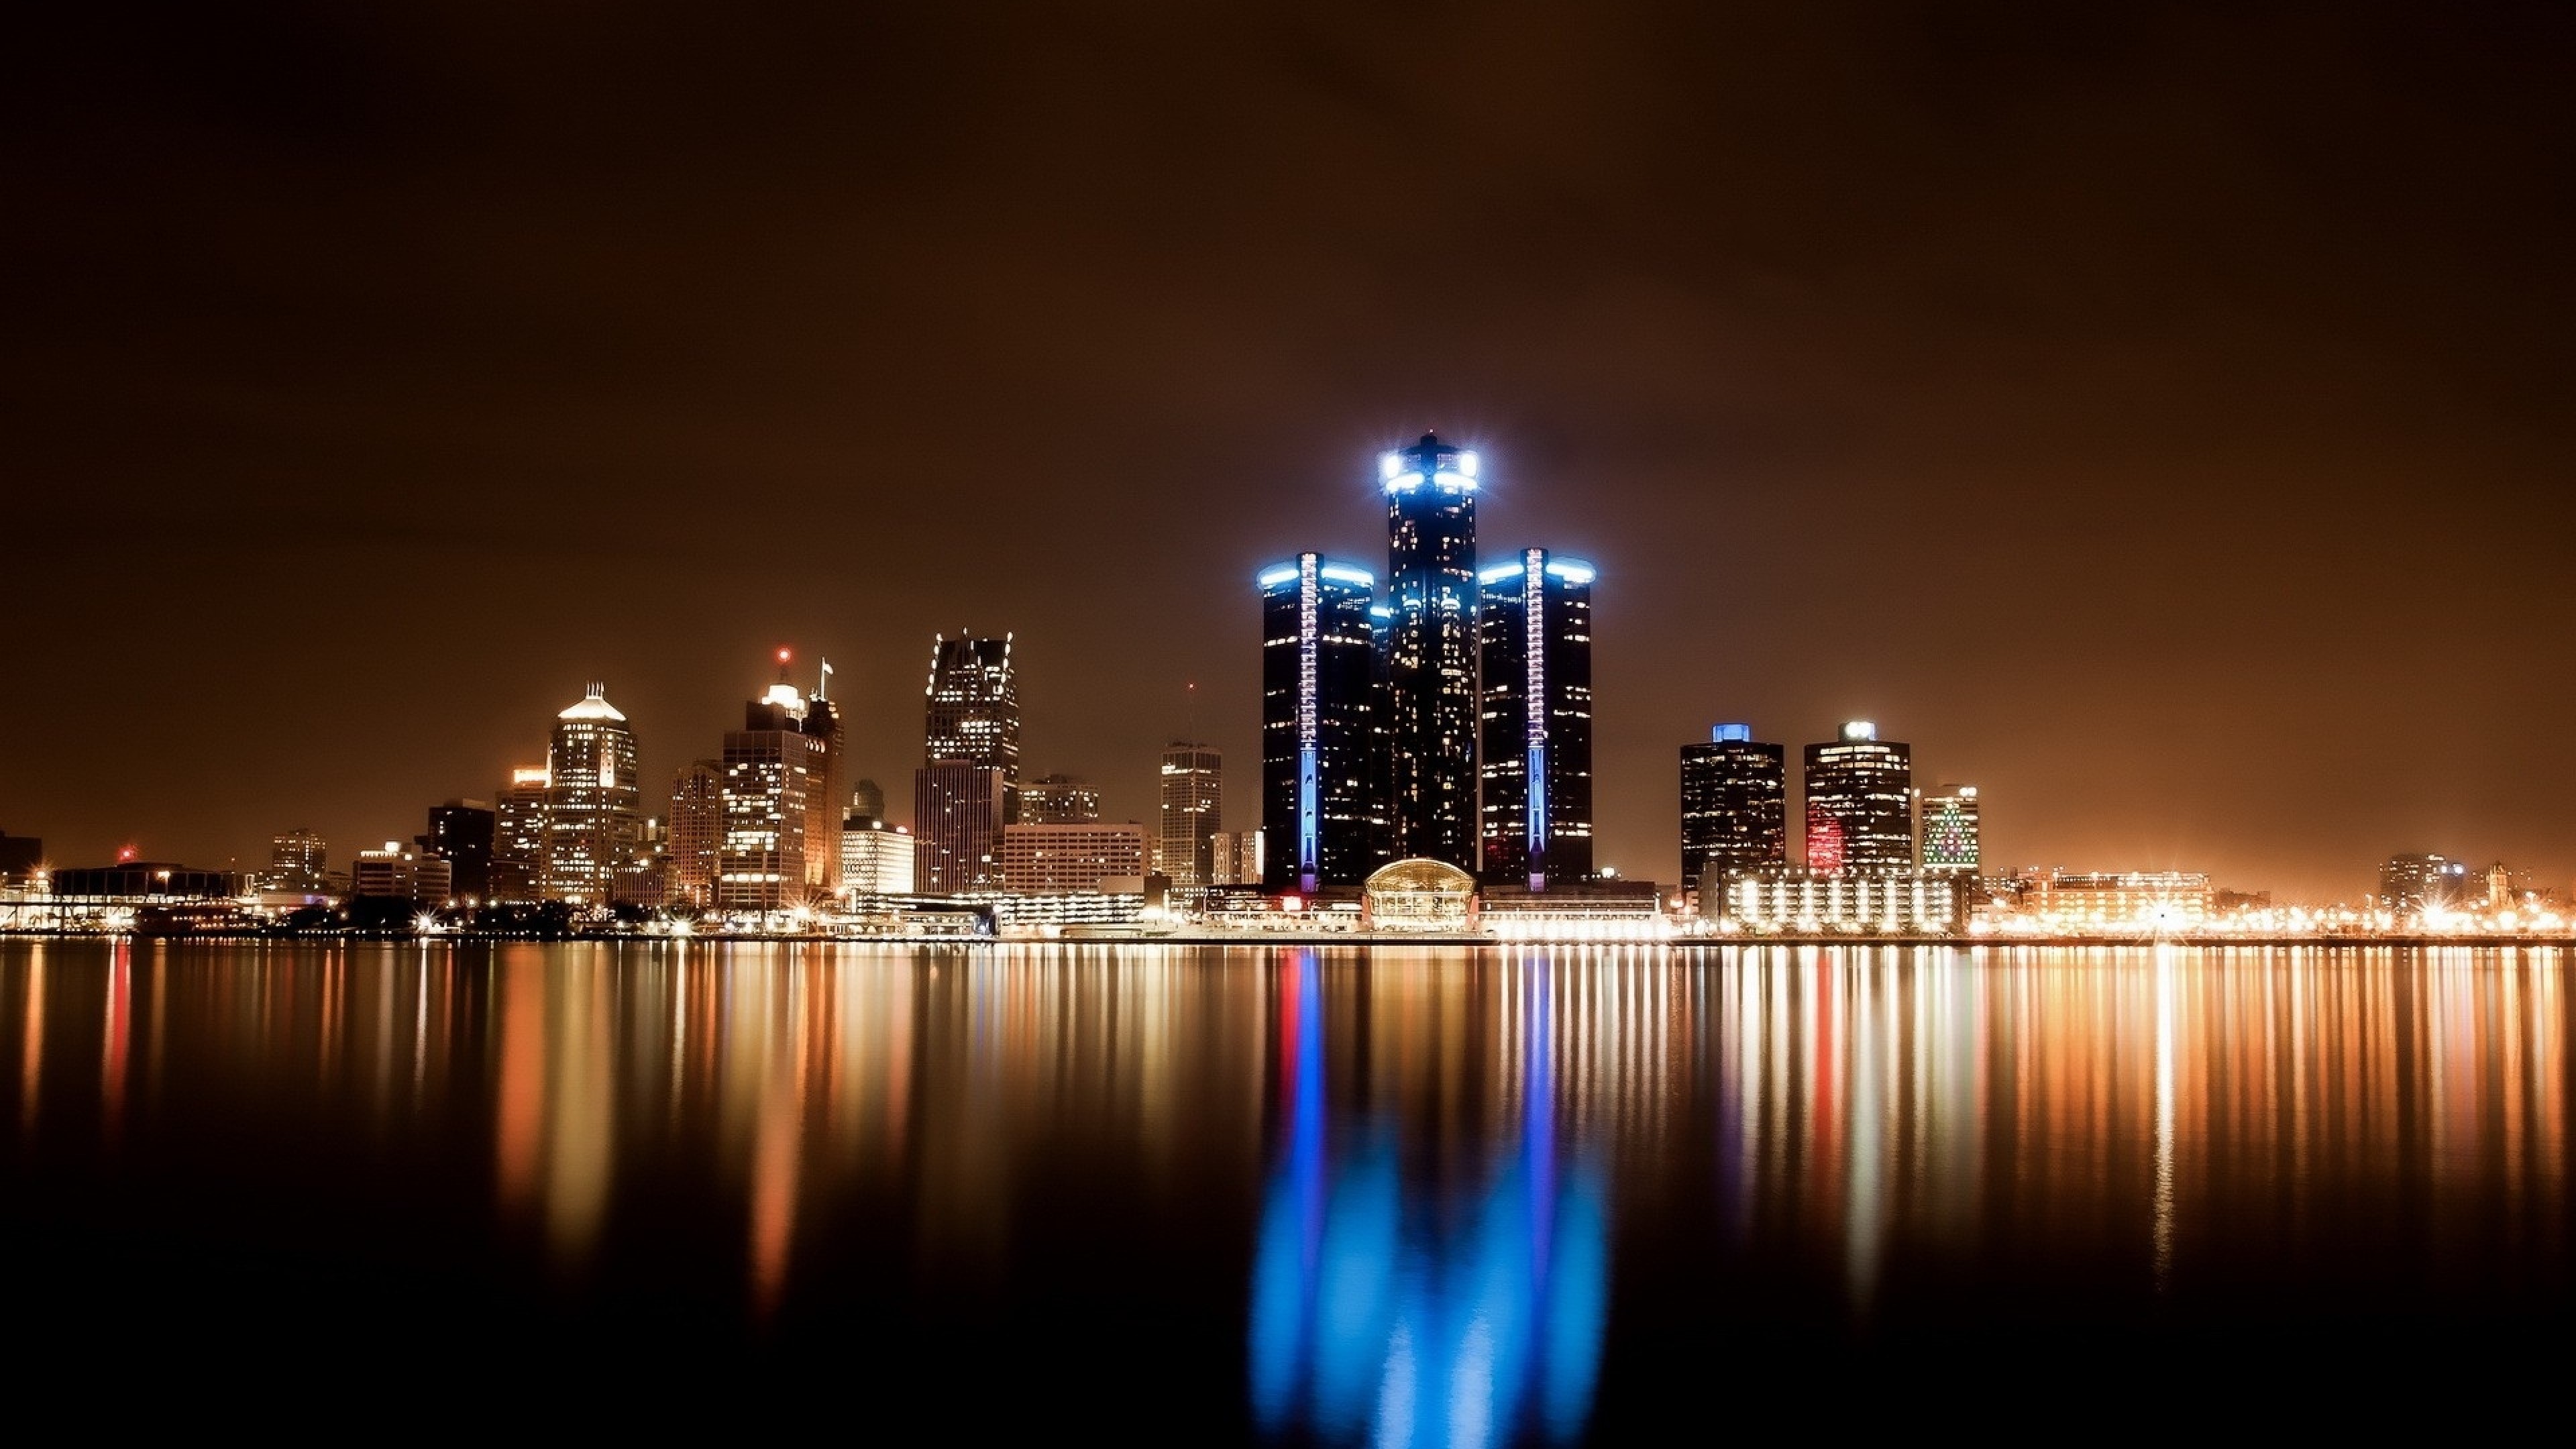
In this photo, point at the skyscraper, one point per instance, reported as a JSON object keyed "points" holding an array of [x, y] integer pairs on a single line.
{"points": [[1430, 654], [1319, 759], [697, 831], [958, 811], [1734, 803], [460, 833], [519, 836], [782, 803], [1058, 800], [1950, 832], [1860, 802], [298, 860], [973, 709], [1535, 812], [1193, 807], [594, 803]]}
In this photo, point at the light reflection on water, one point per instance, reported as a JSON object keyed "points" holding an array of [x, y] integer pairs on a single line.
{"points": [[1440, 1195]]}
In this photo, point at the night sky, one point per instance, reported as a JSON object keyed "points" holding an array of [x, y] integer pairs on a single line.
{"points": [[2158, 419]]}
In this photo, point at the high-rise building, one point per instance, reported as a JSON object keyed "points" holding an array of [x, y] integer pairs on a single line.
{"points": [[782, 802], [876, 858], [1860, 802], [1193, 807], [1052, 859], [1534, 617], [594, 800], [1948, 831], [2410, 883], [695, 838], [1234, 858], [460, 833], [298, 860], [1735, 803], [1320, 768], [973, 709], [958, 811], [519, 836], [867, 801], [1430, 653], [1058, 800]]}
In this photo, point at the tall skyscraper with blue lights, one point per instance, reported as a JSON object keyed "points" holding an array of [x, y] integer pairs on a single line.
{"points": [[1430, 651], [1534, 617], [1320, 806]]}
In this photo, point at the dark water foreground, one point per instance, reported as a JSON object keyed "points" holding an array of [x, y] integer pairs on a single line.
{"points": [[1424, 1196]]}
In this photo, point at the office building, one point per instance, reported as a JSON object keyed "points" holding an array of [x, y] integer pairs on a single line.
{"points": [[1058, 800], [782, 802], [867, 801], [1430, 652], [1234, 858], [461, 833], [298, 862], [2412, 883], [519, 836], [1735, 803], [1534, 620], [876, 858], [2153, 900], [958, 810], [1947, 829], [1860, 802], [972, 713], [694, 840], [1056, 859], [594, 800], [1320, 767], [1850, 900], [401, 872], [1192, 790]]}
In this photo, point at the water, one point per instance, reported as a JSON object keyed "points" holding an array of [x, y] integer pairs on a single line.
{"points": [[1428, 1196]]}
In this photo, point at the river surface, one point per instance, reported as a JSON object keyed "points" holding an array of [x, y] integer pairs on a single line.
{"points": [[1417, 1196]]}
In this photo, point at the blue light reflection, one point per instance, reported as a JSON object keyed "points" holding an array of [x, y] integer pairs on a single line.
{"points": [[1382, 1316]]}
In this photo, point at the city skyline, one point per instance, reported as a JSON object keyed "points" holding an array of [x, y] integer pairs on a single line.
{"points": [[2140, 489]]}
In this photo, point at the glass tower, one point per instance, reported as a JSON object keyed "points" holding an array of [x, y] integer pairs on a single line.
{"points": [[1430, 655], [973, 710], [1319, 758], [1535, 812], [1193, 807], [1860, 802], [1735, 803]]}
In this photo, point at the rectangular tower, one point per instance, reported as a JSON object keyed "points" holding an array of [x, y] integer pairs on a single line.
{"points": [[1950, 834], [1192, 786], [1535, 811]]}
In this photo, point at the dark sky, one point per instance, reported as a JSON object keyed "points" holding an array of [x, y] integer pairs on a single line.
{"points": [[2157, 418]]}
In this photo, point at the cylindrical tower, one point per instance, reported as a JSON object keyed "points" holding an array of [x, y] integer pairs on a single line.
{"points": [[1430, 658]]}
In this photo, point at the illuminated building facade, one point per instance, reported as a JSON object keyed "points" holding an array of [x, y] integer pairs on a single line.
{"points": [[2130, 900], [782, 803], [594, 800], [1430, 651], [972, 712], [2418, 882], [1852, 900], [1058, 800], [1535, 812], [400, 873], [460, 833], [1320, 765], [1058, 859], [519, 836], [299, 861], [1192, 807], [1735, 802], [695, 837], [876, 858], [1860, 802], [1949, 831], [1234, 857], [958, 810]]}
